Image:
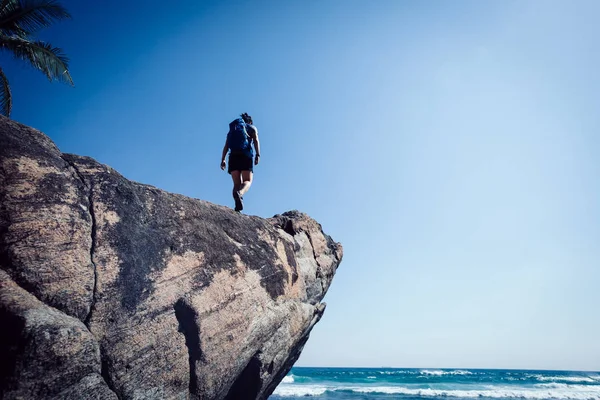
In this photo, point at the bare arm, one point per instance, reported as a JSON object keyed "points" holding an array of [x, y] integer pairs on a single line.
{"points": [[225, 149], [254, 134]]}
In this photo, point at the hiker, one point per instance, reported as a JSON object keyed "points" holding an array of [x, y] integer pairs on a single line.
{"points": [[240, 138]]}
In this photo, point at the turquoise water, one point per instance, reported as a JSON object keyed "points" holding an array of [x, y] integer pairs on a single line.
{"points": [[467, 384]]}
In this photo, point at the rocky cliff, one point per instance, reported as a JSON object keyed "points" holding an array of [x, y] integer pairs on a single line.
{"points": [[111, 289]]}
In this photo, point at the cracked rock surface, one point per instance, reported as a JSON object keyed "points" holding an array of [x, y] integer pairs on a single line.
{"points": [[111, 289]]}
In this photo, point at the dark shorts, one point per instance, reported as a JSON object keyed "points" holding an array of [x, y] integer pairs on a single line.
{"points": [[239, 162]]}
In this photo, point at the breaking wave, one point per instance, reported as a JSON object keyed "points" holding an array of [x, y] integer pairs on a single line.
{"points": [[567, 392], [439, 372], [568, 379]]}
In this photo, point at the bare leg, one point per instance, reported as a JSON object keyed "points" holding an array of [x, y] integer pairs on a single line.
{"points": [[236, 176], [237, 183], [246, 182]]}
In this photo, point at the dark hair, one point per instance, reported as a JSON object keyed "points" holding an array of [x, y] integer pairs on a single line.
{"points": [[247, 118]]}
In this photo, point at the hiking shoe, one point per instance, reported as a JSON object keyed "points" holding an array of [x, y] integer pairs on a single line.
{"points": [[239, 204]]}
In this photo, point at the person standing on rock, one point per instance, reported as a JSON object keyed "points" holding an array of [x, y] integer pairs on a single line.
{"points": [[241, 137]]}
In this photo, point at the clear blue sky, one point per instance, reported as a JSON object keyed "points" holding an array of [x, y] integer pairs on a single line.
{"points": [[451, 146]]}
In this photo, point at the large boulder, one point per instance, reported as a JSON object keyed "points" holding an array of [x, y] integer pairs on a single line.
{"points": [[111, 289]]}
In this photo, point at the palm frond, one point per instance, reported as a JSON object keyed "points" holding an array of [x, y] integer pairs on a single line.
{"points": [[24, 17], [5, 95], [50, 60]]}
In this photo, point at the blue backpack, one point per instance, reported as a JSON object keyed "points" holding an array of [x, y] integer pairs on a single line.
{"points": [[238, 139]]}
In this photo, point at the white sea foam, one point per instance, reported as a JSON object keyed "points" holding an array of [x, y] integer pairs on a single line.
{"points": [[581, 393], [397, 372], [573, 379], [552, 385], [571, 392], [438, 372], [299, 390], [288, 379], [432, 372]]}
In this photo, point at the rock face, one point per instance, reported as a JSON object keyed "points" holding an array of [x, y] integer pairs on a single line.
{"points": [[111, 289]]}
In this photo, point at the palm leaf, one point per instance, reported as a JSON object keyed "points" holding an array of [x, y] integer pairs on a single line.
{"points": [[5, 95], [50, 60], [24, 17]]}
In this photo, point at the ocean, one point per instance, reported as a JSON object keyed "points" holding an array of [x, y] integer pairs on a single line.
{"points": [[411, 384]]}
